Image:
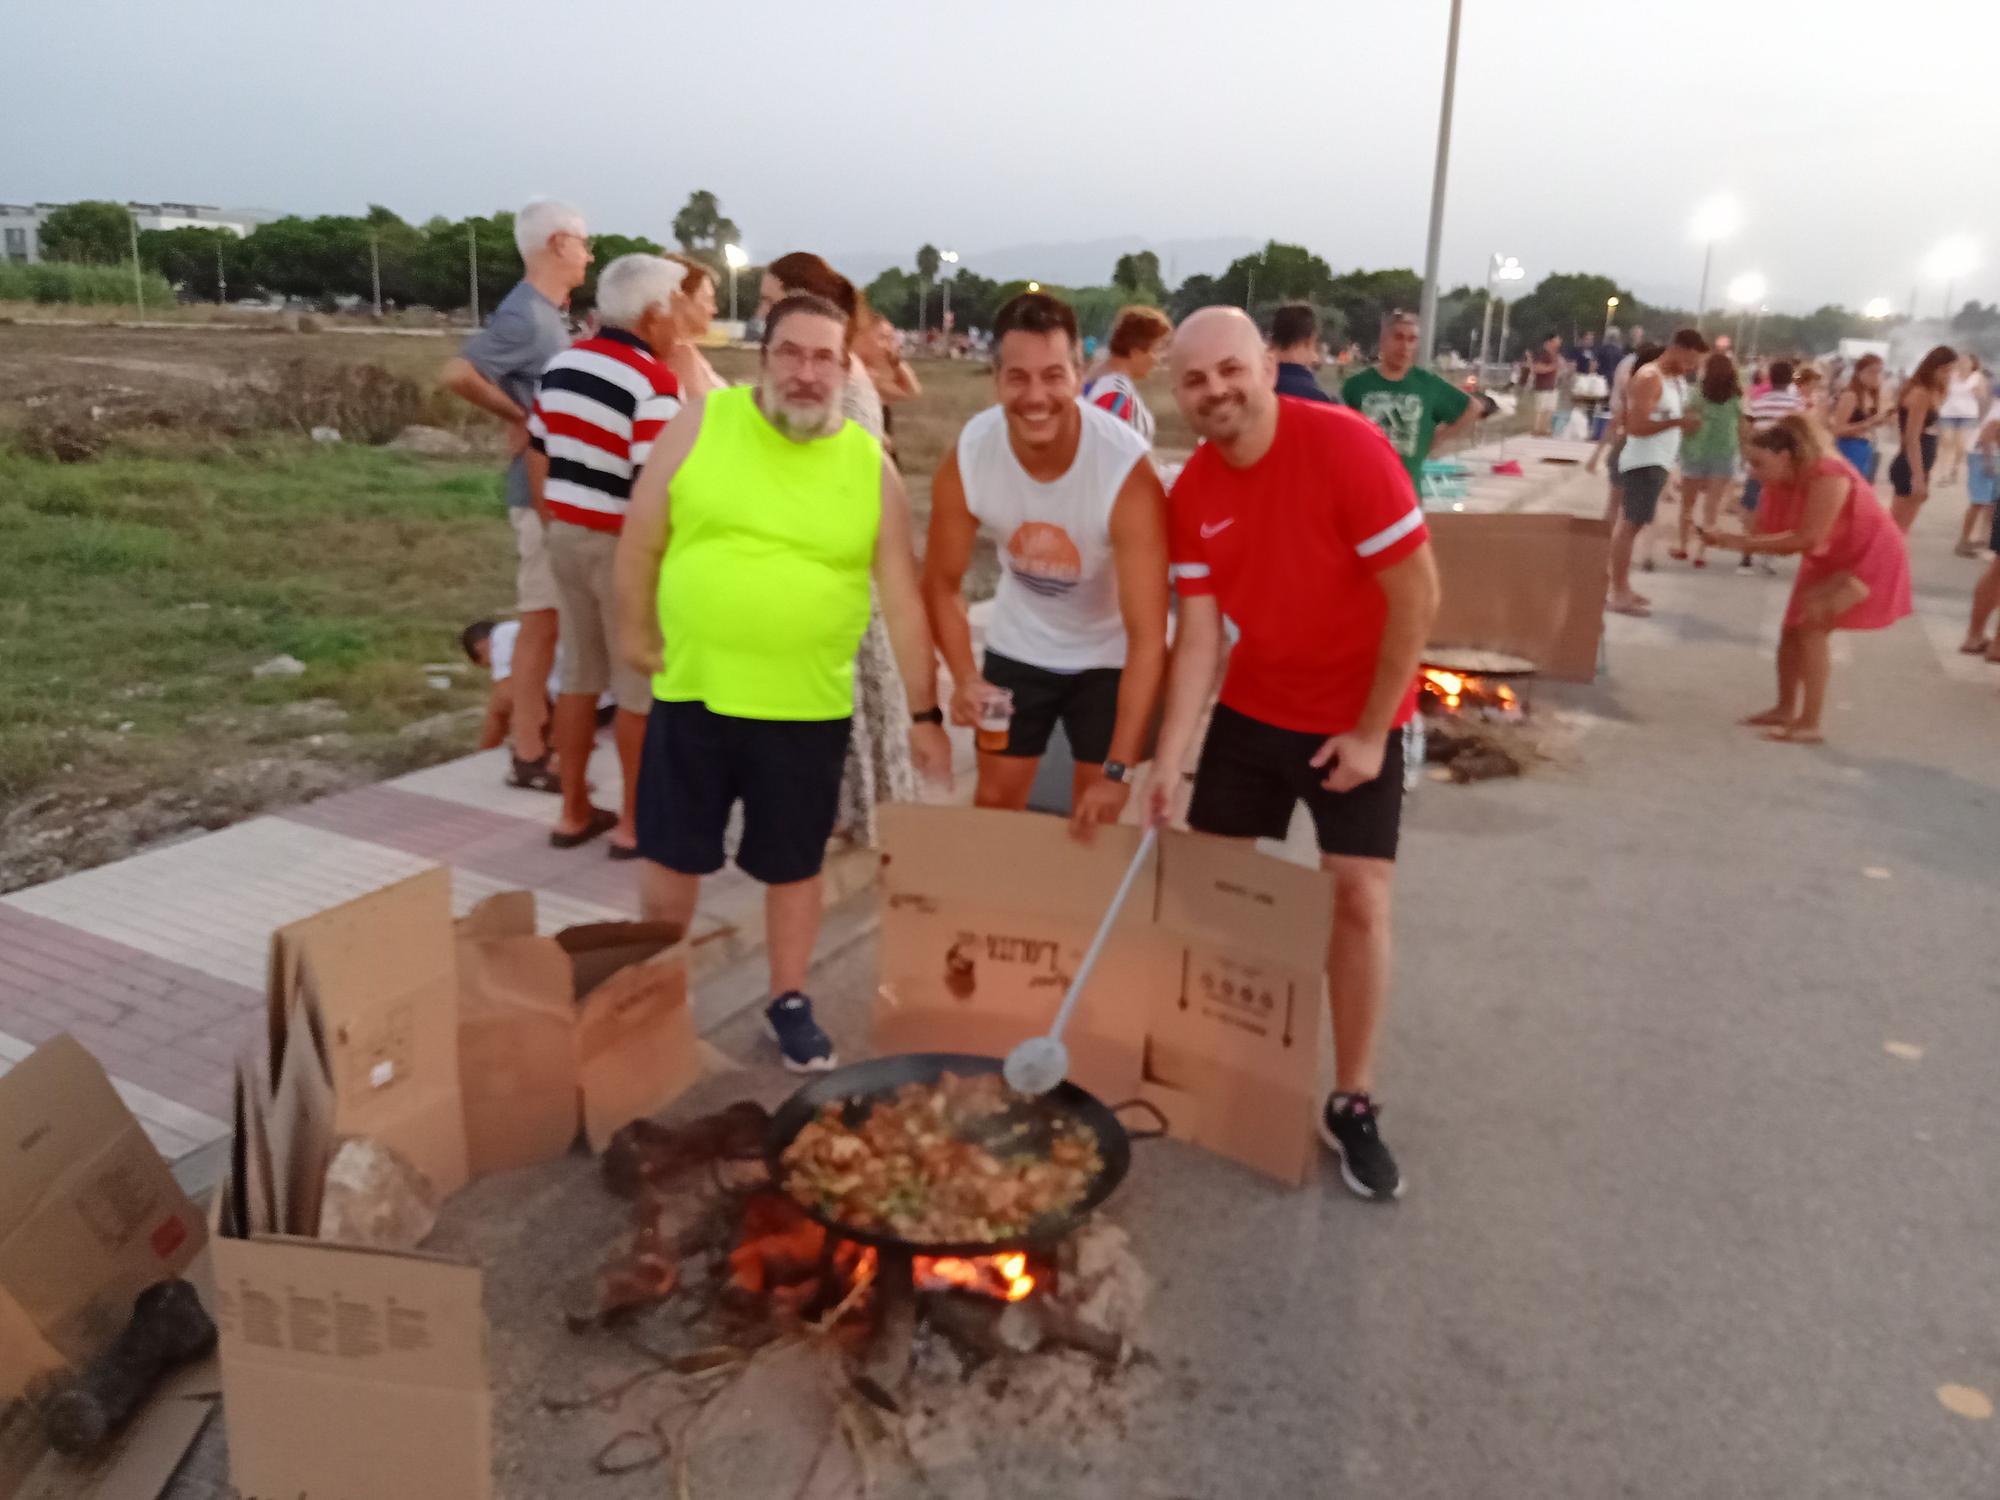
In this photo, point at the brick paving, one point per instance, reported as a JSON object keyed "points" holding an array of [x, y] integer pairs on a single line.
{"points": [[156, 963]]}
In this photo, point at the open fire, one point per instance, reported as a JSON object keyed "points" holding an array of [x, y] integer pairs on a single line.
{"points": [[1469, 693], [1003, 1276]]}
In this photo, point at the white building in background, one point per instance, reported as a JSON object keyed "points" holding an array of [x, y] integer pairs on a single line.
{"points": [[21, 223]]}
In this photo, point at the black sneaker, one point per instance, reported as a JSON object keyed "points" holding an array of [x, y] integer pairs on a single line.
{"points": [[806, 1048], [1347, 1125]]}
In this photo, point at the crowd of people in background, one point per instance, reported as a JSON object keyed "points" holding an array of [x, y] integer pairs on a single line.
{"points": [[727, 575]]}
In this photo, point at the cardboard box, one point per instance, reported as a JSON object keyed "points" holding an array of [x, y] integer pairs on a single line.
{"points": [[346, 1372], [1209, 1000], [90, 1216], [360, 1374], [592, 1024], [352, 1374], [1528, 585], [379, 974], [986, 915]]}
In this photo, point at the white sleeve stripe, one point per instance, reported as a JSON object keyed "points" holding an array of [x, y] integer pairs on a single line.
{"points": [[1388, 536], [1189, 570]]}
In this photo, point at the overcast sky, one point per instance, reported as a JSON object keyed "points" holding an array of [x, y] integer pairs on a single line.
{"points": [[1856, 134]]}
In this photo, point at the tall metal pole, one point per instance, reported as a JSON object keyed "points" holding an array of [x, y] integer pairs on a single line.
{"points": [[221, 277], [138, 281], [1506, 308], [1701, 300], [1250, 291], [1485, 329], [375, 268], [1428, 333], [472, 254], [945, 286]]}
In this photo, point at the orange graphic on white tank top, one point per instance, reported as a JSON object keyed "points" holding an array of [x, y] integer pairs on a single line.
{"points": [[1043, 558]]}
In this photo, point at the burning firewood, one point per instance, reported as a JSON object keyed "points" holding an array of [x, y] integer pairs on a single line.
{"points": [[646, 1153]]}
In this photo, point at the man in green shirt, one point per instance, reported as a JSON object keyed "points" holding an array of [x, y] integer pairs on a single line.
{"points": [[743, 574], [1414, 407]]}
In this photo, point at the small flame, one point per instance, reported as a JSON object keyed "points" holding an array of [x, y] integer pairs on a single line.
{"points": [[1006, 1274]]}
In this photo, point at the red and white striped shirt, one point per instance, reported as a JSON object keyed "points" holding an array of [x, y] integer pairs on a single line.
{"points": [[600, 405]]}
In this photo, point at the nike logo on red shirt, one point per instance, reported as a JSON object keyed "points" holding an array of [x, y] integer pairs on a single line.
{"points": [[1208, 531]]}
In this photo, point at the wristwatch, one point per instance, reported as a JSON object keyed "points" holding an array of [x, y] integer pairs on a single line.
{"points": [[928, 716], [1117, 770]]}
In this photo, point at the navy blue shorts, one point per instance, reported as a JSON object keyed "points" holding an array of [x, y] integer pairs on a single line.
{"points": [[698, 765]]}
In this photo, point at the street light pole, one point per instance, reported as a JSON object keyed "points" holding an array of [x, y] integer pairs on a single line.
{"points": [[1428, 314], [1610, 307], [138, 281], [1701, 300]]}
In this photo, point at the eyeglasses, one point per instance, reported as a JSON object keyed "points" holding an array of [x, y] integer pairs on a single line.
{"points": [[797, 357]]}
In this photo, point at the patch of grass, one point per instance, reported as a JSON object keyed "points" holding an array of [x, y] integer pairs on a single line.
{"points": [[137, 593]]}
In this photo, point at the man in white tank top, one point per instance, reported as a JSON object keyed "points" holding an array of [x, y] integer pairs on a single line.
{"points": [[1655, 418], [1079, 627]]}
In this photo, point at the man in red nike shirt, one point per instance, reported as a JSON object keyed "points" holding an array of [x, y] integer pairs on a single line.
{"points": [[1298, 522]]}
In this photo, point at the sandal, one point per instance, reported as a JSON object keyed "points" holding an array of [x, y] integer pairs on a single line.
{"points": [[601, 822], [534, 775], [623, 851]]}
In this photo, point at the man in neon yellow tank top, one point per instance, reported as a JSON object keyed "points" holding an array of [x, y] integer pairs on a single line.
{"points": [[743, 590]]}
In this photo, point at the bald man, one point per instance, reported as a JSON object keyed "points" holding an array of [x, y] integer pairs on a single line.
{"points": [[1298, 521]]}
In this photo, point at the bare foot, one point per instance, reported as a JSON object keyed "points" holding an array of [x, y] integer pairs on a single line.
{"points": [[1974, 645], [1633, 605], [1796, 734], [1770, 718]]}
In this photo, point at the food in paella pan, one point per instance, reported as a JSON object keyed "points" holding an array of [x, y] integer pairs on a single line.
{"points": [[941, 1161]]}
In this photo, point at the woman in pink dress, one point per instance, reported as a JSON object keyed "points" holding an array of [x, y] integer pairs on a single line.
{"points": [[1854, 572]]}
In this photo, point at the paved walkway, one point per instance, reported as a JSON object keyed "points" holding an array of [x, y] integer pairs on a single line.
{"points": [[157, 963]]}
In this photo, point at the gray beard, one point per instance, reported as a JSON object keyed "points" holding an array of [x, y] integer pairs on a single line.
{"points": [[798, 424]]}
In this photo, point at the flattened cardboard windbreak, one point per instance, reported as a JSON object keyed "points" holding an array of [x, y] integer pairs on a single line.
{"points": [[90, 1216], [1208, 1000], [1528, 585]]}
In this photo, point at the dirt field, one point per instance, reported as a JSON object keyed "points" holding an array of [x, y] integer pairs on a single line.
{"points": [[140, 589]]}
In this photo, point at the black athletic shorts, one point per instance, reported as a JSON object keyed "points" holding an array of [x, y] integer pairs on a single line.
{"points": [[1251, 775], [1901, 479], [1086, 702], [1640, 495], [698, 765]]}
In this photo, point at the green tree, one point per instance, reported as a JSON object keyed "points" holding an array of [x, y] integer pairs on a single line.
{"points": [[190, 258], [974, 300], [1277, 273], [894, 295], [1138, 274], [1364, 300], [699, 220], [1568, 302], [91, 233], [1193, 294], [928, 261], [604, 249]]}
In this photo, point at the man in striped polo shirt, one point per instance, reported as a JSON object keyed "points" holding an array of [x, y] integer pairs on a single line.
{"points": [[600, 405]]}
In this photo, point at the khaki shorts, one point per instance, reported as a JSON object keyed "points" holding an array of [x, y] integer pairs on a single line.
{"points": [[1545, 402], [581, 560], [534, 585]]}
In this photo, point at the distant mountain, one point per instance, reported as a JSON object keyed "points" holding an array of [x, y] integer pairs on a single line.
{"points": [[1072, 262]]}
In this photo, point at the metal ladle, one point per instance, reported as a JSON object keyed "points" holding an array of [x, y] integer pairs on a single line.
{"points": [[1041, 1062]]}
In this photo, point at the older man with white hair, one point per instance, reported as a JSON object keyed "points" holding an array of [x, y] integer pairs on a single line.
{"points": [[496, 371], [601, 405]]}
